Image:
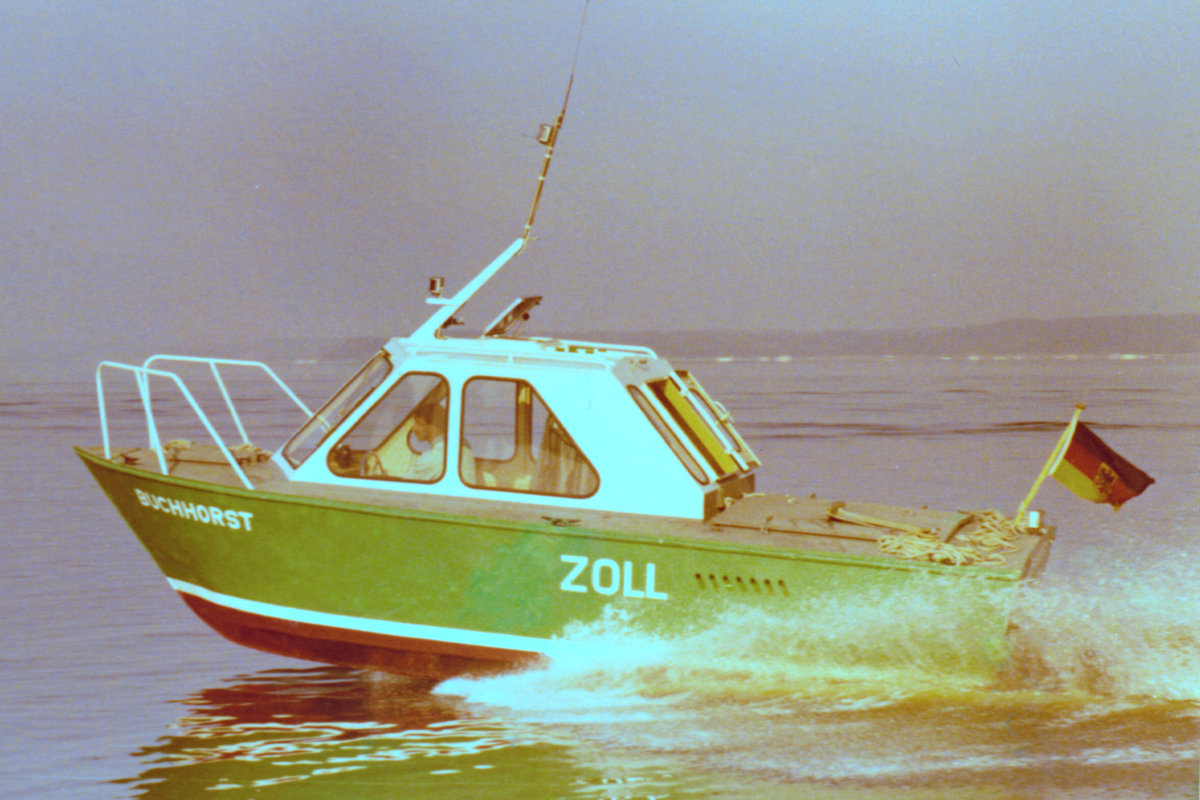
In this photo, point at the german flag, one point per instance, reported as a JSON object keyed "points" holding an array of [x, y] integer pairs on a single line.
{"points": [[1094, 471]]}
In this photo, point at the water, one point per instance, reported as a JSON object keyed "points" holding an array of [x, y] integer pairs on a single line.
{"points": [[113, 690]]}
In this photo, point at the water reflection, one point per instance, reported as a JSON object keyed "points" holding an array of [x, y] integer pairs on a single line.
{"points": [[332, 732], [311, 726], [669, 731]]}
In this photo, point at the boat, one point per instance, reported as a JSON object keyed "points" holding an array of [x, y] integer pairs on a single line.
{"points": [[463, 502]]}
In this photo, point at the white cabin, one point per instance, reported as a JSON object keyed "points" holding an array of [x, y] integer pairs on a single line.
{"points": [[531, 420]]}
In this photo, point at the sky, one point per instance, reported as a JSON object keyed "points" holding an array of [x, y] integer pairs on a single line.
{"points": [[237, 171]]}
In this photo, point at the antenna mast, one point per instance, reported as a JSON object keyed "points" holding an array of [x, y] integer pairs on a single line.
{"points": [[444, 316], [548, 134]]}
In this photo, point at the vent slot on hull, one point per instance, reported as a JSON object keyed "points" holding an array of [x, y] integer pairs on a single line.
{"points": [[737, 583]]}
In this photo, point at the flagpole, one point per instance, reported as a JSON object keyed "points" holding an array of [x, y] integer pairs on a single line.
{"points": [[1051, 464]]}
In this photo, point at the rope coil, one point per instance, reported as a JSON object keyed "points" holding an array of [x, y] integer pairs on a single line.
{"points": [[985, 545]]}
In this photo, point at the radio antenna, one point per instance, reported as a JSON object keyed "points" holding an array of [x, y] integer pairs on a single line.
{"points": [[548, 134], [444, 316]]}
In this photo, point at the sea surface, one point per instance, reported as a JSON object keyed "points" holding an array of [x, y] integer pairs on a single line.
{"points": [[112, 689]]}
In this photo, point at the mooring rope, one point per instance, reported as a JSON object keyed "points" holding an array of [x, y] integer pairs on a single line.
{"points": [[995, 532], [984, 546]]}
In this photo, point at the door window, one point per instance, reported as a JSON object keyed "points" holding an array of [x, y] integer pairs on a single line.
{"points": [[519, 444]]}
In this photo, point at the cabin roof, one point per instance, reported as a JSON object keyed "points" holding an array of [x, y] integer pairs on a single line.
{"points": [[563, 352]]}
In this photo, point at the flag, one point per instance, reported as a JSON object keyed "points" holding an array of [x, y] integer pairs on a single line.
{"points": [[1092, 470]]}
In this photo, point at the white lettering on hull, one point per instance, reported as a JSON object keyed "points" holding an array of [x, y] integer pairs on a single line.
{"points": [[607, 577], [210, 515]]}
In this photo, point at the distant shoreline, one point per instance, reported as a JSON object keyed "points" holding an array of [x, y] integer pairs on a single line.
{"points": [[1146, 335], [1090, 336], [1112, 336]]}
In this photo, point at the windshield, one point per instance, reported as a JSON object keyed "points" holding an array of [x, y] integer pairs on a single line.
{"points": [[337, 409]]}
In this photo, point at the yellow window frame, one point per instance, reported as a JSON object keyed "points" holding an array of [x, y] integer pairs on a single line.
{"points": [[695, 426], [722, 418]]}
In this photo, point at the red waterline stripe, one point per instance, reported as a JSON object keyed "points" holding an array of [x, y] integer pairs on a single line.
{"points": [[355, 648]]}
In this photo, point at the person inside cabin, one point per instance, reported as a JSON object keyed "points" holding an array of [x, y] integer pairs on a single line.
{"points": [[429, 427]]}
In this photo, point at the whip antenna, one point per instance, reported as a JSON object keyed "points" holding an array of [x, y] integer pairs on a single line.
{"points": [[548, 134]]}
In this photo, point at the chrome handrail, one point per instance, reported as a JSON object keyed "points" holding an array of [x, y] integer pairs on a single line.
{"points": [[142, 377], [213, 362]]}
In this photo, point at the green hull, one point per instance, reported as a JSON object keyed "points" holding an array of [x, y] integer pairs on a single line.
{"points": [[436, 594]]}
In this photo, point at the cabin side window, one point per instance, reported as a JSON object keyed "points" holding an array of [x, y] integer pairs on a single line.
{"points": [[720, 419], [689, 421], [697, 428], [403, 437], [310, 437], [519, 444], [669, 436]]}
